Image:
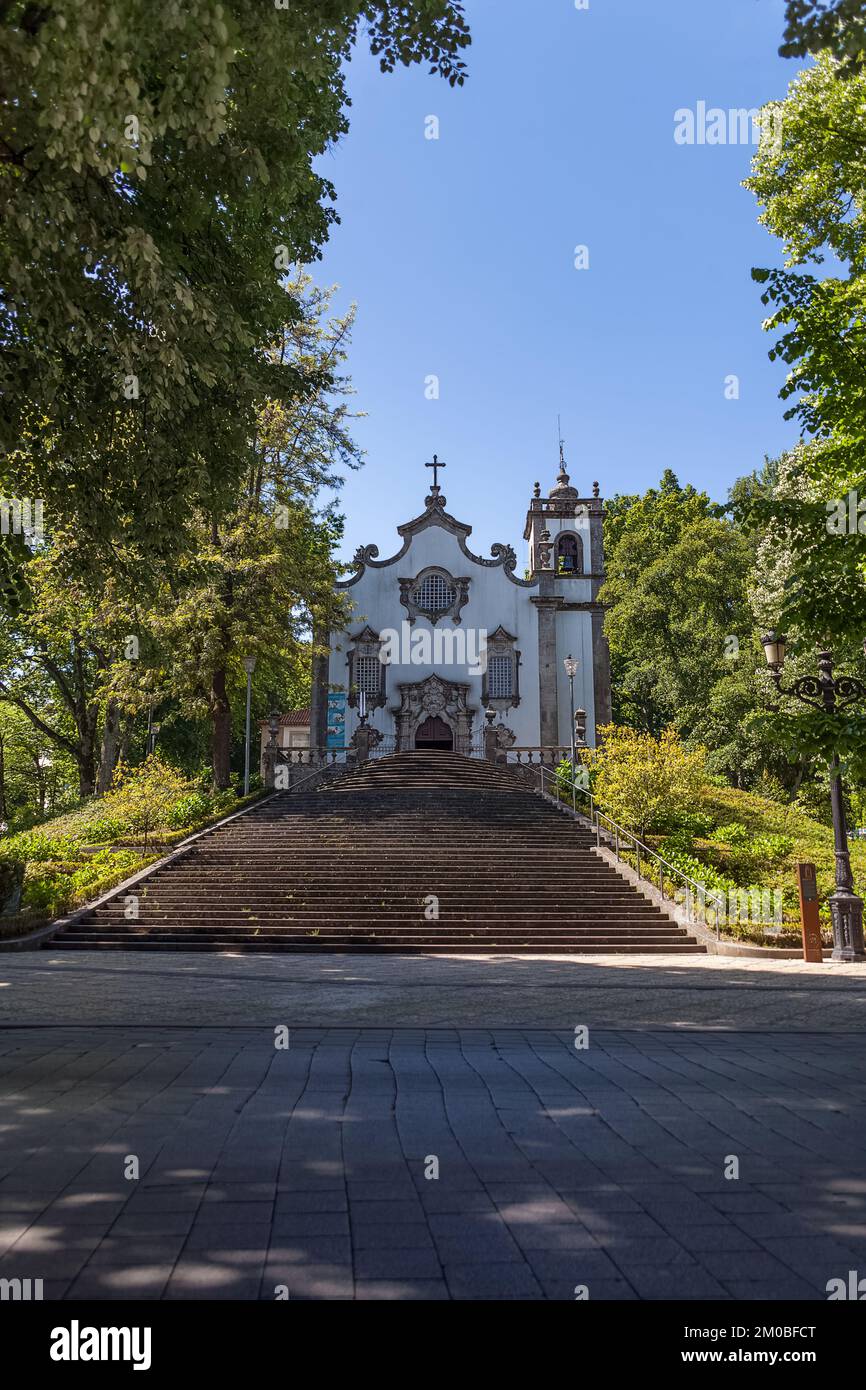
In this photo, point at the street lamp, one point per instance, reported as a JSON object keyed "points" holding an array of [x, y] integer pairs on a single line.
{"points": [[249, 667], [775, 647], [571, 671], [829, 695]]}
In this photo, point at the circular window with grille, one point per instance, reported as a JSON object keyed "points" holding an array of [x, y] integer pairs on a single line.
{"points": [[434, 594]]}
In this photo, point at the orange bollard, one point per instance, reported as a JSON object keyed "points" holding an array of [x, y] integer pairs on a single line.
{"points": [[808, 886]]}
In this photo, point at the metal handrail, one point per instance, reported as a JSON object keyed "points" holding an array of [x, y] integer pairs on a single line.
{"points": [[619, 832]]}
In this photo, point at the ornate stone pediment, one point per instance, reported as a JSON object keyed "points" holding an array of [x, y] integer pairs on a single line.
{"points": [[447, 700], [434, 514]]}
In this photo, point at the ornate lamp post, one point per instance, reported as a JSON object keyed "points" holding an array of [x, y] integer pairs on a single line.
{"points": [[829, 694], [571, 671], [249, 667]]}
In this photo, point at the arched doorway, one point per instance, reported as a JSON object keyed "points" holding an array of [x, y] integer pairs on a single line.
{"points": [[434, 733]]}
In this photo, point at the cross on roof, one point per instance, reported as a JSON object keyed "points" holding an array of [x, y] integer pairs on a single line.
{"points": [[435, 465]]}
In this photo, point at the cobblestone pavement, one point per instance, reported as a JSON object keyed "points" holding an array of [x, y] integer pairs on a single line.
{"points": [[307, 1168], [429, 991]]}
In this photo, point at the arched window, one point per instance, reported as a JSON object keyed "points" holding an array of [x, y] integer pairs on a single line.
{"points": [[366, 669], [569, 555], [500, 682]]}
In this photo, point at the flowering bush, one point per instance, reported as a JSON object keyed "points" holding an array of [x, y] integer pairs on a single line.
{"points": [[642, 781]]}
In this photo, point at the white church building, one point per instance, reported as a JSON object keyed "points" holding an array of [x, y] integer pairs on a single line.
{"points": [[439, 636]]}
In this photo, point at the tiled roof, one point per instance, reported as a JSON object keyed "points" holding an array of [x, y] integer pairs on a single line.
{"points": [[292, 719]]}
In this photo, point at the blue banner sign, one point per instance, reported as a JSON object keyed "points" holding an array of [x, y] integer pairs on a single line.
{"points": [[336, 718]]}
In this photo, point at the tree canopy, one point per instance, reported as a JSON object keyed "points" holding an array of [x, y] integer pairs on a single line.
{"points": [[158, 177]]}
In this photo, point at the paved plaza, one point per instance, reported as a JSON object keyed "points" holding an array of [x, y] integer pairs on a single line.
{"points": [[429, 1162], [432, 991]]}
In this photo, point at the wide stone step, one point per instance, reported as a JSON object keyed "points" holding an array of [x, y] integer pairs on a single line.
{"points": [[488, 947], [394, 902], [371, 923]]}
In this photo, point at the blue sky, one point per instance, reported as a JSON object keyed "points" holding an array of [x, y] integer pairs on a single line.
{"points": [[459, 253]]}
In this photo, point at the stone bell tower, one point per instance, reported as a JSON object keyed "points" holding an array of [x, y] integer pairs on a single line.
{"points": [[566, 557]]}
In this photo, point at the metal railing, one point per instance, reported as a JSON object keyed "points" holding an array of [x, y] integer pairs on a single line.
{"points": [[696, 899], [384, 749]]}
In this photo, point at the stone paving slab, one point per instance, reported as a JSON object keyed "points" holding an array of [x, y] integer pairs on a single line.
{"points": [[411, 992], [314, 1168]]}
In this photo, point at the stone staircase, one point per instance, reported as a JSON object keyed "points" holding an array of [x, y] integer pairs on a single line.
{"points": [[364, 863]]}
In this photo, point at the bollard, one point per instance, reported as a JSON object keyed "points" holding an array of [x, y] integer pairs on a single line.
{"points": [[809, 925]]}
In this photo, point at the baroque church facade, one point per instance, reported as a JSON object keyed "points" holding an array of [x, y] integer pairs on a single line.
{"points": [[439, 636]]}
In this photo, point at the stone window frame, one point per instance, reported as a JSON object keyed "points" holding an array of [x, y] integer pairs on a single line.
{"points": [[578, 573], [366, 643], [410, 587], [502, 643]]}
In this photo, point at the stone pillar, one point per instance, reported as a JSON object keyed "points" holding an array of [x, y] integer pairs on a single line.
{"points": [[361, 743], [490, 737], [546, 605], [269, 765], [600, 650], [600, 669]]}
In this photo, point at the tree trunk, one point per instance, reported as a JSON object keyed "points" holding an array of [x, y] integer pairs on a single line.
{"points": [[40, 786], [110, 749], [3, 814], [125, 736], [86, 756], [221, 725]]}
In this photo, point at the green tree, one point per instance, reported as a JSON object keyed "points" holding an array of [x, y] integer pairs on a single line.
{"points": [[811, 188], [794, 551], [56, 652], [37, 779], [142, 797], [677, 612], [256, 569], [838, 26], [158, 177]]}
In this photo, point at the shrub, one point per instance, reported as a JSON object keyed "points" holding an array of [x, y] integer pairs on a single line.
{"points": [[695, 824], [51, 889], [733, 834], [187, 810], [771, 848], [642, 781], [141, 798], [673, 851], [34, 846]]}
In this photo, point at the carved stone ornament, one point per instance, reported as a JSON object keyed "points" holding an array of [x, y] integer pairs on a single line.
{"points": [[447, 700], [411, 595], [545, 549], [434, 514], [372, 737]]}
